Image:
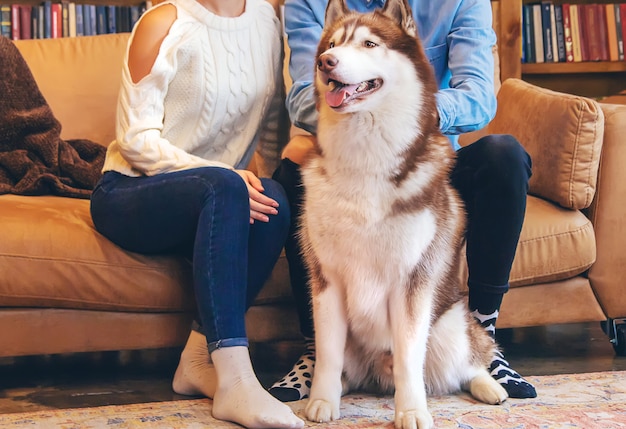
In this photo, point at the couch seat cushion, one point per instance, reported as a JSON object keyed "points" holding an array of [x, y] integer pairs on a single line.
{"points": [[556, 243], [51, 255]]}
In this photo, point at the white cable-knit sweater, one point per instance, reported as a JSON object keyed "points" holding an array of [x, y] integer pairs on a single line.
{"points": [[215, 89]]}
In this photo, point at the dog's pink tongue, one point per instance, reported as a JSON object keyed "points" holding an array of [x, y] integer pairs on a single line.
{"points": [[335, 97]]}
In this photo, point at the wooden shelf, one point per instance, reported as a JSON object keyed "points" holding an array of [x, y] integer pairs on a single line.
{"points": [[568, 68], [590, 79]]}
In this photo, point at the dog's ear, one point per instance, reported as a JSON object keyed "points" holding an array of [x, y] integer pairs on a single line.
{"points": [[335, 9], [400, 11]]}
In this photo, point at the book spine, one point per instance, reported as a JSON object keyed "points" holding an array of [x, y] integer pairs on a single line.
{"points": [[620, 31], [601, 29], [72, 19], [65, 18], [567, 33], [34, 22], [560, 32], [101, 19], [529, 35], [555, 47], [5, 20], [538, 31], [611, 32], [47, 19], [26, 22], [591, 32], [135, 12], [80, 24], [56, 21], [41, 21], [15, 22], [622, 15], [548, 54], [111, 19], [576, 42]]}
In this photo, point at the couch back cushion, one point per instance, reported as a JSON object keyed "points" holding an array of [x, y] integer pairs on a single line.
{"points": [[563, 134], [80, 79]]}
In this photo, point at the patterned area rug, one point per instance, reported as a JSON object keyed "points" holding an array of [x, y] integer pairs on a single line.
{"points": [[585, 401]]}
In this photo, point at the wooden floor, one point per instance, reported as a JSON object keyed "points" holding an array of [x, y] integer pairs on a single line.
{"points": [[87, 380]]}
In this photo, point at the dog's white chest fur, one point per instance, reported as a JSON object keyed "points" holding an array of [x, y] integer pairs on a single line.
{"points": [[363, 243]]}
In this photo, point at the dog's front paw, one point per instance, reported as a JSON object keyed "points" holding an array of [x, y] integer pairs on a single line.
{"points": [[414, 419], [321, 411], [487, 390]]}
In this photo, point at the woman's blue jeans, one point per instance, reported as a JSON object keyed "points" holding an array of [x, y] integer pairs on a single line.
{"points": [[202, 214]]}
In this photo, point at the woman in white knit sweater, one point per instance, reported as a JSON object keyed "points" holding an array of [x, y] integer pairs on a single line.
{"points": [[201, 91]]}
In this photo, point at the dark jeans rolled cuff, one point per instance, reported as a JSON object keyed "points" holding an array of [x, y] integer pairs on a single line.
{"points": [[479, 287], [228, 342]]}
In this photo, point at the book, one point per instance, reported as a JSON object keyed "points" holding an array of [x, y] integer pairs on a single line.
{"points": [[56, 20], [72, 19], [26, 31], [592, 31], [578, 20], [90, 20], [601, 29], [34, 22], [101, 19], [555, 48], [135, 12], [5, 20], [111, 19], [619, 34], [611, 31], [528, 36], [80, 24], [538, 31], [15, 22], [47, 19], [567, 33], [622, 16], [65, 18], [87, 20], [41, 21], [560, 33], [546, 28]]}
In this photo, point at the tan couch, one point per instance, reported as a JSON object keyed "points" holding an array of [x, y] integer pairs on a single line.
{"points": [[65, 288]]}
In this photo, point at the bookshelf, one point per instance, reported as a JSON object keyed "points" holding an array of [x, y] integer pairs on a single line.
{"points": [[41, 19], [591, 79]]}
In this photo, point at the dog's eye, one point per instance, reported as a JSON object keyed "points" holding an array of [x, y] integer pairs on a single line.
{"points": [[331, 45], [369, 44]]}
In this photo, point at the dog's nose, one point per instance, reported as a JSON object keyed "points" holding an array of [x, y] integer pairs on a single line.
{"points": [[327, 62]]}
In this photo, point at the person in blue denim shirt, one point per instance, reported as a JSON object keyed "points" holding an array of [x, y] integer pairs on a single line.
{"points": [[490, 174]]}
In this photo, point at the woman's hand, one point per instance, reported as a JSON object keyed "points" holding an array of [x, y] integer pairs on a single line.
{"points": [[260, 205]]}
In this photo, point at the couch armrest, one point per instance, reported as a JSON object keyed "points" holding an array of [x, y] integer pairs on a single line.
{"points": [[608, 215], [562, 133]]}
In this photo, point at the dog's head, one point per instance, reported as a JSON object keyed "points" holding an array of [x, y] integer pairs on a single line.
{"points": [[365, 61]]}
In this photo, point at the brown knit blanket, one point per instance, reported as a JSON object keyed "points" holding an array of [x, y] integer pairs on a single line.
{"points": [[34, 160]]}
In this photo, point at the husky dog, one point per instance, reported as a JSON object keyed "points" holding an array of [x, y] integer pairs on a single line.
{"points": [[382, 228]]}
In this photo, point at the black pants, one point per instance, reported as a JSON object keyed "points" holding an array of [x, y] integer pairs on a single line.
{"points": [[491, 176]]}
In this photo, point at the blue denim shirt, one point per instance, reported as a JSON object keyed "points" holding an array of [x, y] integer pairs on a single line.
{"points": [[457, 37]]}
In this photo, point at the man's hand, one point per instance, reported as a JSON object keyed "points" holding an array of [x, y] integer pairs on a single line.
{"points": [[298, 148], [260, 205]]}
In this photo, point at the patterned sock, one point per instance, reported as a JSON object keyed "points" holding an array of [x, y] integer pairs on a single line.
{"points": [[297, 384], [500, 370]]}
